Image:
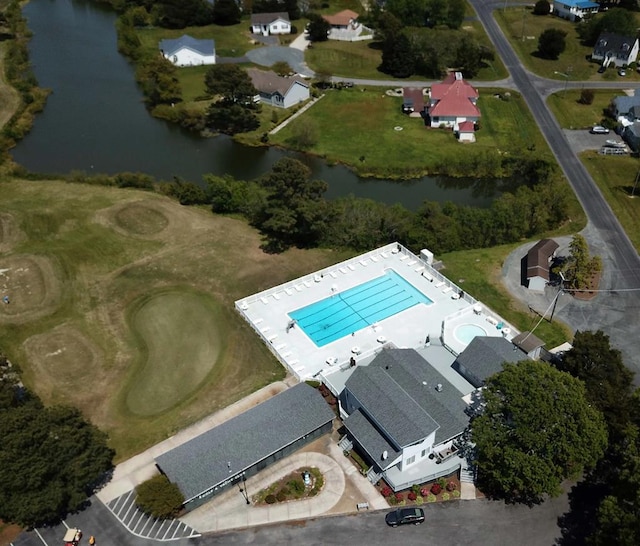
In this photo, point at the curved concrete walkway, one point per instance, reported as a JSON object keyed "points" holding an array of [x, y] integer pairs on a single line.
{"points": [[230, 510]]}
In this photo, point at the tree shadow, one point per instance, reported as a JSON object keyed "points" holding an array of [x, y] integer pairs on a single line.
{"points": [[579, 522]]}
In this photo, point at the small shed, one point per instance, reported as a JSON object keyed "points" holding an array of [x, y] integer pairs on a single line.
{"points": [[529, 343], [467, 131], [538, 262]]}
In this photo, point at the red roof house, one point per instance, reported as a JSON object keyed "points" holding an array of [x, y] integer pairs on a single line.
{"points": [[343, 19], [452, 102]]}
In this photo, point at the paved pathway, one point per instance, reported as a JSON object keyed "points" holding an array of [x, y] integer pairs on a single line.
{"points": [[268, 56]]}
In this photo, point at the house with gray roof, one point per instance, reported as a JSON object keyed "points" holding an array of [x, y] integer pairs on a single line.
{"points": [[270, 23], [484, 357], [628, 107], [399, 411], [614, 49], [277, 90], [188, 51], [246, 444]]}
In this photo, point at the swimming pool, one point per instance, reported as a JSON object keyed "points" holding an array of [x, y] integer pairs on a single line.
{"points": [[466, 332], [346, 312]]}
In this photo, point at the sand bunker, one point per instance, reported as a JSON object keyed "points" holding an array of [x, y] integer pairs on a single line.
{"points": [[66, 363], [31, 285], [138, 219]]}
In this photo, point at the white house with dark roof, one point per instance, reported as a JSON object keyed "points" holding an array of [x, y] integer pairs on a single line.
{"points": [[270, 23], [453, 102], [404, 416], [614, 49], [484, 357], [277, 90], [574, 10], [246, 444], [188, 51]]}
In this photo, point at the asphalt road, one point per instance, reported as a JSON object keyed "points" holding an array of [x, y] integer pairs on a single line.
{"points": [[605, 233]]}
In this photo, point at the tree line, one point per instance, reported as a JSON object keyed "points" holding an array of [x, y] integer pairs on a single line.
{"points": [[51, 459], [289, 208]]}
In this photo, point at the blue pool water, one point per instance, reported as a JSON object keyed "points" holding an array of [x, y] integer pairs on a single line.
{"points": [[466, 332], [346, 312]]}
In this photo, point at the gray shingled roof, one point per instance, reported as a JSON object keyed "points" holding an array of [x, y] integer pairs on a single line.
{"points": [[610, 44], [201, 463], [398, 392], [268, 18], [172, 46], [269, 82], [484, 357], [528, 342], [371, 440]]}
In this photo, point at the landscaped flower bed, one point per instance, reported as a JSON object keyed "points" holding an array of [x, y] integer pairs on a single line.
{"points": [[291, 487], [443, 489]]}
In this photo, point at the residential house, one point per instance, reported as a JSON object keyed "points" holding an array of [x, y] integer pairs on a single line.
{"points": [[403, 416], [244, 445], [343, 20], [277, 90], [188, 51], [539, 260], [574, 10], [627, 107], [270, 23], [452, 102], [484, 357], [615, 49], [631, 135]]}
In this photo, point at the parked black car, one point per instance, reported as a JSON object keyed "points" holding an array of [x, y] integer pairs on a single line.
{"points": [[401, 516]]}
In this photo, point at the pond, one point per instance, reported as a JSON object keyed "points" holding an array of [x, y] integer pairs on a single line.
{"points": [[95, 121]]}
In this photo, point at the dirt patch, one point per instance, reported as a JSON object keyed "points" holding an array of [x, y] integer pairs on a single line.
{"points": [[593, 283], [8, 533], [31, 285], [10, 234], [63, 359]]}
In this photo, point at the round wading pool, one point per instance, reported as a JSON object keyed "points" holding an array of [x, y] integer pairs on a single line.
{"points": [[466, 332]]}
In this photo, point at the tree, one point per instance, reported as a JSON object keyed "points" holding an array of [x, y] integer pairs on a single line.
{"points": [[160, 498], [231, 82], [226, 12], [318, 28], [51, 460], [158, 79], [231, 118], [398, 57], [615, 20], [619, 513], [608, 382], [183, 13], [536, 430], [282, 68], [551, 43], [579, 267], [542, 7], [295, 212], [587, 96], [388, 27], [448, 13], [410, 12]]}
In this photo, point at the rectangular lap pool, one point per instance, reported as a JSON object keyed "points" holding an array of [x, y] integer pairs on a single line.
{"points": [[346, 312]]}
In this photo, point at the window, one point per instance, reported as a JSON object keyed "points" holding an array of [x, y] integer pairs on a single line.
{"points": [[411, 460], [423, 454]]}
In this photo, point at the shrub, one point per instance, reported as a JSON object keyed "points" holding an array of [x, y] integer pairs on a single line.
{"points": [[446, 496], [297, 486], [392, 501], [281, 496], [158, 497], [442, 483], [436, 488], [412, 496], [586, 96], [415, 488], [424, 491], [399, 497], [386, 491], [455, 494], [419, 499], [270, 499], [431, 498], [451, 486]]}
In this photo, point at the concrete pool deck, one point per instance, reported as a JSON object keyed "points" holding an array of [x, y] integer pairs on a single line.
{"points": [[268, 313]]}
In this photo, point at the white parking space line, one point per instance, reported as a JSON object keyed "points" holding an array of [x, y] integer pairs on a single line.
{"points": [[40, 537]]}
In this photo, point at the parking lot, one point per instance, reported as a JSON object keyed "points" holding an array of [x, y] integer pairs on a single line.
{"points": [[581, 140]]}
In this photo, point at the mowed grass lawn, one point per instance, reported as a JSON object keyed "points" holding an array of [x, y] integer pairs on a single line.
{"points": [[522, 28], [616, 177], [137, 326], [357, 127], [571, 114]]}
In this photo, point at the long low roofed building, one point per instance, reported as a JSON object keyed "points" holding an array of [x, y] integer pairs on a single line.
{"points": [[246, 444]]}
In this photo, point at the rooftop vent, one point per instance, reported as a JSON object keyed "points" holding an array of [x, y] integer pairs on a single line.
{"points": [[439, 387]]}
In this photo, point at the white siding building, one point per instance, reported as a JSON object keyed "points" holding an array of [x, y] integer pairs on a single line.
{"points": [[188, 51]]}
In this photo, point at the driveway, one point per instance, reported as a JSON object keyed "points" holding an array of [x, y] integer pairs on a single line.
{"points": [[268, 56]]}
